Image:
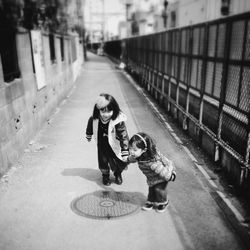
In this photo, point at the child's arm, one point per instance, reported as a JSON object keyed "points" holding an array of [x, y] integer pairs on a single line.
{"points": [[122, 136], [89, 129], [131, 159]]}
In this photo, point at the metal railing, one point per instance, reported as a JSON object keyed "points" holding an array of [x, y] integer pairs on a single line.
{"points": [[203, 73]]}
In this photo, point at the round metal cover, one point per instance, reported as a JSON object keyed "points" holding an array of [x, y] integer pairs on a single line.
{"points": [[105, 205]]}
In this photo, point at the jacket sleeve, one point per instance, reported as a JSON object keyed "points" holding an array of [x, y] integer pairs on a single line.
{"points": [[89, 129], [131, 159], [122, 136]]}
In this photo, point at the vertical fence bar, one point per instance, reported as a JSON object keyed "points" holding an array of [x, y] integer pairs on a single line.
{"points": [[246, 167], [178, 73], [188, 68], [203, 75], [162, 68], [247, 157], [171, 70], [223, 88]]}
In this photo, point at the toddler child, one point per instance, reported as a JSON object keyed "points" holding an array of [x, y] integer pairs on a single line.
{"points": [[157, 168], [108, 124]]}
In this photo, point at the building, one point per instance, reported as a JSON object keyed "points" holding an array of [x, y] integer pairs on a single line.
{"points": [[150, 16], [102, 19], [188, 12]]}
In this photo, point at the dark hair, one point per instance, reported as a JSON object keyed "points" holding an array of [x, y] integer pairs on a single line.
{"points": [[113, 105], [150, 147]]}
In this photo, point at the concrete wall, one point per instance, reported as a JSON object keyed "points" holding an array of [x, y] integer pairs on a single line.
{"points": [[24, 108]]}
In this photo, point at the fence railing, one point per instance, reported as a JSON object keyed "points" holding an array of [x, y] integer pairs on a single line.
{"points": [[202, 72]]}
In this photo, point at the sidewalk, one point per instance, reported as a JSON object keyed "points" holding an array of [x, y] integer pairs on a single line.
{"points": [[60, 166]]}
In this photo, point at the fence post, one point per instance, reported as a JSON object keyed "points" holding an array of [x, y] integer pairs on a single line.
{"points": [[188, 68], [223, 89], [203, 75], [178, 76], [247, 157], [170, 67]]}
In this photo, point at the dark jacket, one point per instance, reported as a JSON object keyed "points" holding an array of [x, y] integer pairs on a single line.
{"points": [[117, 134], [156, 170]]}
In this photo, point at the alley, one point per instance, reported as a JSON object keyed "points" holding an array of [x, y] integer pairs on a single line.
{"points": [[59, 165]]}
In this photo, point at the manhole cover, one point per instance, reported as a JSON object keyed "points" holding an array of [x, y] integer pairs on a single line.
{"points": [[105, 205]]}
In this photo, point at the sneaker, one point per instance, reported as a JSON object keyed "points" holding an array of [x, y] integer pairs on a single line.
{"points": [[105, 180], [161, 208], [148, 206], [118, 179]]}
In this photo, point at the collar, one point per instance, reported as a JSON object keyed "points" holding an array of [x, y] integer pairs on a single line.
{"points": [[104, 122]]}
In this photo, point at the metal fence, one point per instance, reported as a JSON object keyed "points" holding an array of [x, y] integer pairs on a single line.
{"points": [[202, 71]]}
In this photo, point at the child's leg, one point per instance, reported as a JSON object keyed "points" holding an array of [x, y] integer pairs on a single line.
{"points": [[161, 196], [104, 167], [161, 193], [151, 194], [117, 167], [150, 202]]}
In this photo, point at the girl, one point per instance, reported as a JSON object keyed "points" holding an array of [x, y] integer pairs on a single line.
{"points": [[108, 123], [156, 167]]}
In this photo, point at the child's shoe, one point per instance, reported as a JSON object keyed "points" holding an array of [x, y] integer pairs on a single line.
{"points": [[105, 180], [118, 179], [148, 206], [161, 208]]}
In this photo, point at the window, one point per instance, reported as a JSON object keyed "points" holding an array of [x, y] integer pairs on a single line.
{"points": [[8, 53], [52, 48], [62, 48]]}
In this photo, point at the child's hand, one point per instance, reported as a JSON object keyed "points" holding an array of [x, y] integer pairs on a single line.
{"points": [[125, 158], [88, 137], [131, 159]]}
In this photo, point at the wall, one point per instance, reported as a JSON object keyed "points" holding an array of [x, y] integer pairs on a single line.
{"points": [[24, 108], [196, 11]]}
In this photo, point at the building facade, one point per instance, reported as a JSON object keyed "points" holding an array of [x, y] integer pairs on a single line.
{"points": [[102, 19]]}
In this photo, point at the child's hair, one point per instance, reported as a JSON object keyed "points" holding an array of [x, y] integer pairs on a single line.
{"points": [[144, 141], [106, 101]]}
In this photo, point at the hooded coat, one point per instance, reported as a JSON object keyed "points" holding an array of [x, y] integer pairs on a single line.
{"points": [[117, 134]]}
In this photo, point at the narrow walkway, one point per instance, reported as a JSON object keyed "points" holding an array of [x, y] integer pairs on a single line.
{"points": [[59, 166]]}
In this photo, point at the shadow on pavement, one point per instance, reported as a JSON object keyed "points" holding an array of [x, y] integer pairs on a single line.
{"points": [[94, 175], [86, 173]]}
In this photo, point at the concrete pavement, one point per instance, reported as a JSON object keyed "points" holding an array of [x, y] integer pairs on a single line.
{"points": [[59, 165]]}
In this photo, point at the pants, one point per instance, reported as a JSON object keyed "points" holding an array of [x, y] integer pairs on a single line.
{"points": [[158, 193], [108, 161]]}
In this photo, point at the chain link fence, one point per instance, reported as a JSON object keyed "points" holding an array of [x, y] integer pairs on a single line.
{"points": [[202, 73]]}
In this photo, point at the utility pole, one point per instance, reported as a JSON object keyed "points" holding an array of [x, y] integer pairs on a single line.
{"points": [[128, 4], [164, 13]]}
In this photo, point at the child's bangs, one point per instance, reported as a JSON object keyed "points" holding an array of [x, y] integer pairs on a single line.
{"points": [[109, 107], [134, 141]]}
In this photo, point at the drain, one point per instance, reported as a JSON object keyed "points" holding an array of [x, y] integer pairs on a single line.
{"points": [[105, 205]]}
